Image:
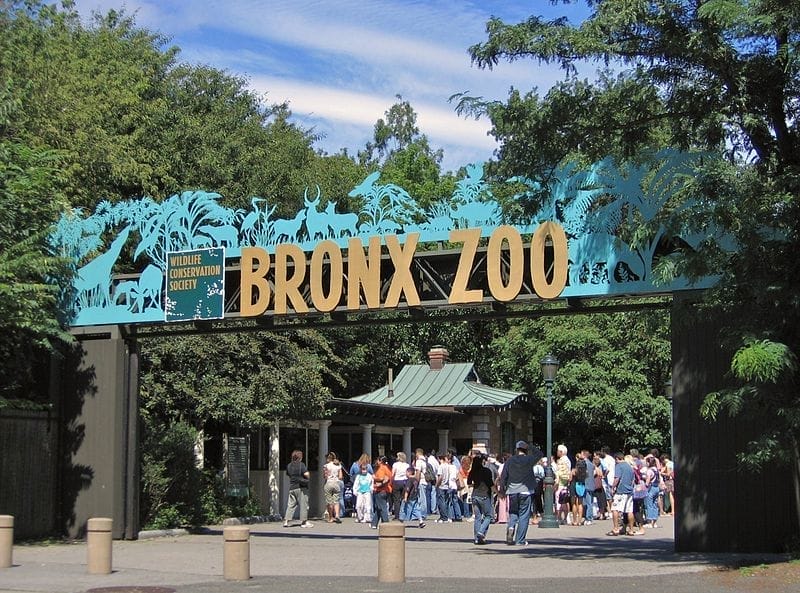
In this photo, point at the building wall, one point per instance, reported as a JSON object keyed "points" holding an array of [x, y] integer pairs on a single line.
{"points": [[99, 460], [484, 428]]}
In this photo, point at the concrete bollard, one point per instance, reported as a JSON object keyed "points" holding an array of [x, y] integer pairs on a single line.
{"points": [[6, 541], [236, 553], [98, 545], [392, 553]]}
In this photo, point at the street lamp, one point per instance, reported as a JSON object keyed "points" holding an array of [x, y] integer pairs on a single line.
{"points": [[549, 369]]}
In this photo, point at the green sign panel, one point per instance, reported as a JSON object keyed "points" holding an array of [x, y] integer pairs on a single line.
{"points": [[195, 284]]}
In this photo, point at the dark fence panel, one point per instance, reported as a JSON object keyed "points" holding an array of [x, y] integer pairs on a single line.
{"points": [[721, 507], [28, 477]]}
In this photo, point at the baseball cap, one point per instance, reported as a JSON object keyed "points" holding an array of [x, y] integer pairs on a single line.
{"points": [[522, 445]]}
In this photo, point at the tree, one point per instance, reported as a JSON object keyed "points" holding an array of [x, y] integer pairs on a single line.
{"points": [[609, 386], [92, 93], [722, 76], [393, 134], [200, 379], [406, 157], [31, 279]]}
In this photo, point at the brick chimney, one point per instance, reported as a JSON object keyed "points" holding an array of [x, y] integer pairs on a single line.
{"points": [[437, 357]]}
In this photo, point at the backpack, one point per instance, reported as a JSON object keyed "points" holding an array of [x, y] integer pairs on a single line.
{"points": [[580, 471], [429, 474]]}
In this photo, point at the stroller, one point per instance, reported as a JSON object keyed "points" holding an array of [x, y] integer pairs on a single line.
{"points": [[349, 498]]}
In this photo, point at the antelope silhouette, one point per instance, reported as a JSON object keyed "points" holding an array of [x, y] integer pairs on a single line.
{"points": [[341, 223], [223, 234], [316, 222], [288, 228]]}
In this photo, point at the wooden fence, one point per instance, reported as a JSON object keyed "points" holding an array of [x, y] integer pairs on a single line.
{"points": [[28, 471]]}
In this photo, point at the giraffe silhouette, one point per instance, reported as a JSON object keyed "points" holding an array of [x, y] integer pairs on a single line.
{"points": [[93, 281]]}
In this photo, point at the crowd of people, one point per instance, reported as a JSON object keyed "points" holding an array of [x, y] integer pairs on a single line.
{"points": [[632, 489]]}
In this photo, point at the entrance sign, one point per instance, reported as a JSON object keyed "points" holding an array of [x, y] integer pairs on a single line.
{"points": [[362, 274], [576, 244], [195, 285]]}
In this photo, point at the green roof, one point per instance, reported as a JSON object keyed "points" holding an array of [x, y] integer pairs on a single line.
{"points": [[456, 385]]}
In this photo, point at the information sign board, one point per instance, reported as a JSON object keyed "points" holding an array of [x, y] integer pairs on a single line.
{"points": [[195, 284]]}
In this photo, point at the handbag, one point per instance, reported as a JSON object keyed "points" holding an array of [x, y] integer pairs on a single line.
{"points": [[639, 491], [580, 489]]}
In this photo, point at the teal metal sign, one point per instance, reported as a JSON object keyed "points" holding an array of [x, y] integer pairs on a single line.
{"points": [[195, 285], [598, 206]]}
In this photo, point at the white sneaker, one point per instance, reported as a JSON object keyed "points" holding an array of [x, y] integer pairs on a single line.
{"points": [[306, 524]]}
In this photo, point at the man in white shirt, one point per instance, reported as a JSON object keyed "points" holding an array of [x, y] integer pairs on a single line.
{"points": [[608, 464], [420, 465], [434, 463]]}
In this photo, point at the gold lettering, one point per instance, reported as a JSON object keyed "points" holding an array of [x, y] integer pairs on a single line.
{"points": [[459, 293], [545, 289], [516, 264], [289, 287], [360, 274], [257, 279], [336, 274], [180, 285], [402, 280], [185, 260]]}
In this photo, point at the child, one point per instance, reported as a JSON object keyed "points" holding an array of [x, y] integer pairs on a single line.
{"points": [[411, 509], [362, 487]]}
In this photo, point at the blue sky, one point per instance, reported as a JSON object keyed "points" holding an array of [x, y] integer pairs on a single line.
{"points": [[341, 63]]}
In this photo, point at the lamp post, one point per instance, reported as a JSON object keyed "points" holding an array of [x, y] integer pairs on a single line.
{"points": [[549, 369]]}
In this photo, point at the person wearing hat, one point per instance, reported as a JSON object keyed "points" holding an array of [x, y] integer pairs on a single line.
{"points": [[518, 482]]}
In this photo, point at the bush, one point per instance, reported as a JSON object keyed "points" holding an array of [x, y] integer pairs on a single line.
{"points": [[217, 506], [170, 479], [174, 491]]}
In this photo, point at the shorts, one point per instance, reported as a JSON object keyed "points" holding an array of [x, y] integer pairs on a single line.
{"points": [[623, 503], [331, 492]]}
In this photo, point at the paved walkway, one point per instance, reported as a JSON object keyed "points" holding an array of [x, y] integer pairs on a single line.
{"points": [[344, 557]]}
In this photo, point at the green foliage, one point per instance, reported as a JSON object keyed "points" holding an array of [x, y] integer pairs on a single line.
{"points": [[720, 76], [217, 506], [393, 134], [609, 387], [241, 380], [170, 481], [31, 279], [174, 491], [763, 361]]}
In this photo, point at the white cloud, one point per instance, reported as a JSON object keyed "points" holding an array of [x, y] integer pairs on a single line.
{"points": [[333, 108], [340, 64]]}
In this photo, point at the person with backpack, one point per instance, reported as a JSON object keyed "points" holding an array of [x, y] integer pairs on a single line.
{"points": [[518, 482], [652, 481], [426, 477], [577, 489], [298, 490], [481, 481]]}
